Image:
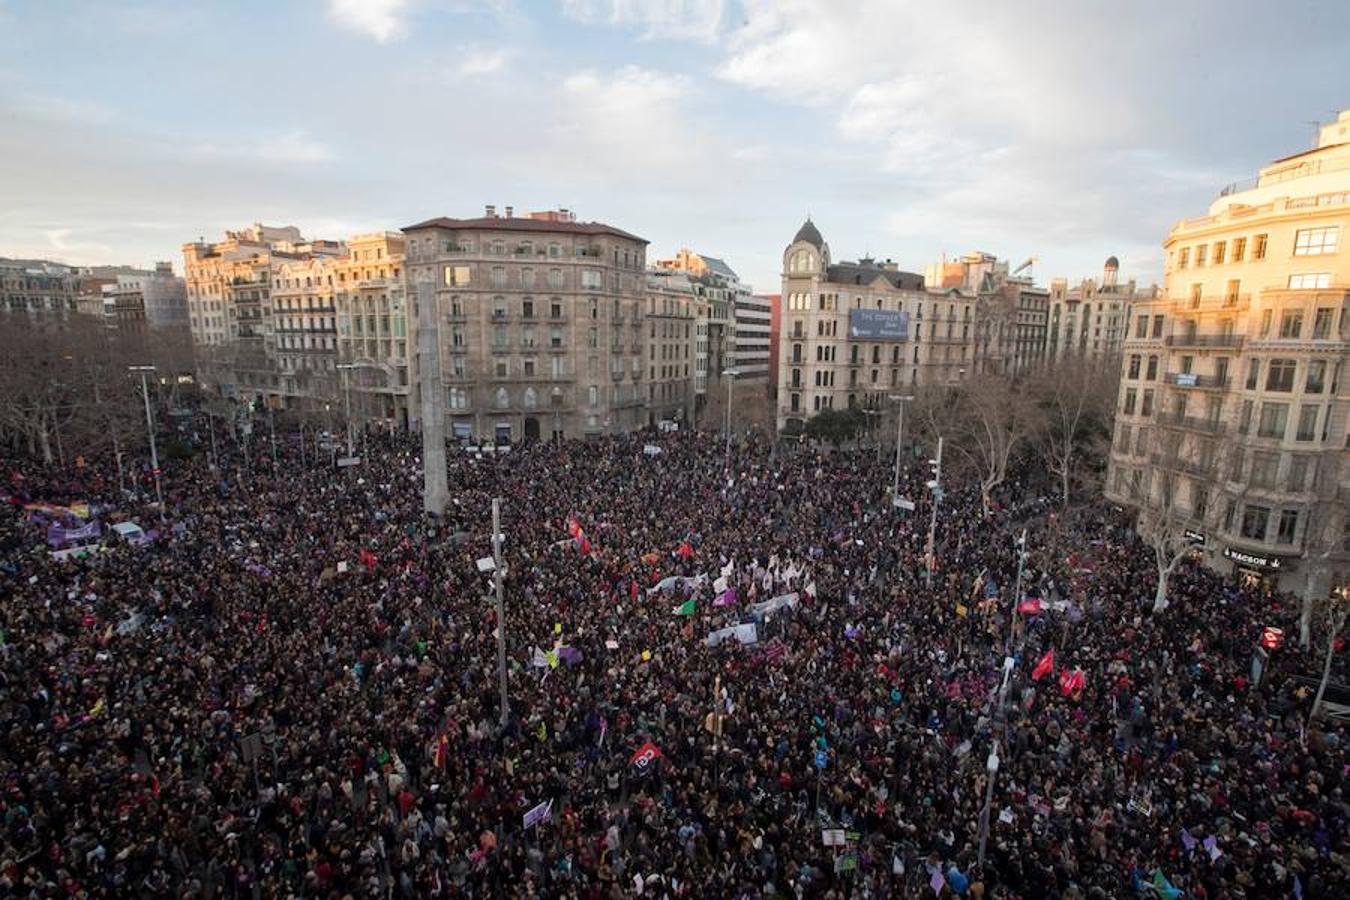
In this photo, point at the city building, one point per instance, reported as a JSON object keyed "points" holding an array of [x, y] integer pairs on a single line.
{"points": [[1090, 319], [671, 306], [1231, 422], [541, 323], [853, 332], [1011, 315], [775, 304], [230, 311], [38, 287], [148, 302], [733, 334]]}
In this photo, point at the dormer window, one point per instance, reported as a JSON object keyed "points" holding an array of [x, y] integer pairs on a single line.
{"points": [[801, 261]]}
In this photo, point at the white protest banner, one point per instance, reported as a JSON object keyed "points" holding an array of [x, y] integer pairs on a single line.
{"points": [[745, 634], [538, 814], [832, 837], [774, 604]]}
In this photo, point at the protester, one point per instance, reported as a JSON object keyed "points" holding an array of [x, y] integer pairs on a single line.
{"points": [[293, 689]]}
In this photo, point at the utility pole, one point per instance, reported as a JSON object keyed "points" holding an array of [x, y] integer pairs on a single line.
{"points": [[215, 453], [272, 427], [347, 404], [150, 430], [501, 605], [936, 487], [1017, 589], [899, 441]]}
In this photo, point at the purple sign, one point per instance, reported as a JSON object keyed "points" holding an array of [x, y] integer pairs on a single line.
{"points": [[59, 535]]}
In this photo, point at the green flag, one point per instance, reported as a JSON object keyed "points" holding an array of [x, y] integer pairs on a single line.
{"points": [[685, 609]]}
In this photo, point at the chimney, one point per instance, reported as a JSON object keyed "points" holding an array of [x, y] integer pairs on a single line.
{"points": [[508, 212], [491, 212]]}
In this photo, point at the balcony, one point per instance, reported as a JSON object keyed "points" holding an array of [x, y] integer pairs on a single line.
{"points": [[1178, 464], [1189, 423], [1225, 341], [1190, 380]]}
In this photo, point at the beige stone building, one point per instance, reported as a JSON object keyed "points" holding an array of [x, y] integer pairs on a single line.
{"points": [[541, 323], [349, 310], [671, 319], [1232, 413], [1091, 318], [230, 310], [853, 332]]}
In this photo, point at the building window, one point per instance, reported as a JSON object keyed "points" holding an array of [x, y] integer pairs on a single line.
{"points": [[1317, 372], [1291, 323], [1129, 401], [1298, 472], [1322, 323], [1157, 326], [555, 277], [1254, 520], [1274, 419], [591, 280], [1265, 466], [527, 309], [1239, 249], [1310, 281], [1134, 366], [1201, 252], [1146, 407], [456, 276], [1259, 246], [1184, 258], [1316, 241], [459, 398], [499, 307], [1288, 525], [1141, 327], [1280, 375], [502, 367], [593, 395], [1152, 372], [1245, 418], [1219, 248], [502, 398], [1307, 422]]}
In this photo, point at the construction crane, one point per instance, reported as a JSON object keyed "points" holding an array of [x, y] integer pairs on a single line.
{"points": [[1026, 266]]}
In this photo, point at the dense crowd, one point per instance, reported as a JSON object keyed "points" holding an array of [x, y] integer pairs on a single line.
{"points": [[294, 690]]}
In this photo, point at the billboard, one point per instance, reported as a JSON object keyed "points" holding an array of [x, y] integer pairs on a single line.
{"points": [[878, 325]]}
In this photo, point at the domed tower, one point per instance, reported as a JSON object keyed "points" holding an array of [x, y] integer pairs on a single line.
{"points": [[1110, 272], [808, 254]]}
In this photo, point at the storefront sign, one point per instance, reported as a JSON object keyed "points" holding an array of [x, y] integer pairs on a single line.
{"points": [[1195, 537], [1272, 637], [1251, 559]]}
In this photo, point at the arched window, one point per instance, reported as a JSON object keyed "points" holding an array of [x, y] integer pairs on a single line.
{"points": [[530, 399], [502, 399], [800, 261]]}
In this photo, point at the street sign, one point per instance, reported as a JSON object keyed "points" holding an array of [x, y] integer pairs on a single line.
{"points": [[903, 503]]}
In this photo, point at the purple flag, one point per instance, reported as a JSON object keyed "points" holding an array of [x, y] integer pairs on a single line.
{"points": [[937, 883], [1187, 841], [726, 598], [570, 655]]}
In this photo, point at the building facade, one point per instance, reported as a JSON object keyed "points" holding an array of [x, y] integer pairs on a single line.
{"points": [[1091, 319], [671, 338], [853, 332], [541, 320], [153, 301], [38, 287], [1232, 414]]}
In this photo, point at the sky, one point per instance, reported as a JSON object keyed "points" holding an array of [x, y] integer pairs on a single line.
{"points": [[1068, 131]]}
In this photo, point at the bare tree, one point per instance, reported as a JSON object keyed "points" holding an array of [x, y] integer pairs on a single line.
{"points": [[1337, 608], [1323, 537], [991, 416], [1076, 397]]}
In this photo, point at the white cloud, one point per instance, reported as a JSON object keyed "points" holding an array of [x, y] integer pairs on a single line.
{"points": [[378, 19], [294, 146], [628, 120], [697, 20], [480, 61]]}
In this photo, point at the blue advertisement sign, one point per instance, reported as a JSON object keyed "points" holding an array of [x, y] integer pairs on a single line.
{"points": [[878, 325]]}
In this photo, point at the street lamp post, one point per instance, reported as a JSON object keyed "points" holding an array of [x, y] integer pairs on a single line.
{"points": [[272, 428], [901, 400], [1017, 588], [150, 431], [347, 402], [936, 487], [732, 373], [501, 604]]}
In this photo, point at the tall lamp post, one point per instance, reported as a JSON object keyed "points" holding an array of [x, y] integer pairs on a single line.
{"points": [[150, 431], [936, 487], [732, 373], [901, 400], [501, 604], [346, 368]]}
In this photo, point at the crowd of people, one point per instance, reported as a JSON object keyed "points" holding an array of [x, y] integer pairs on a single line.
{"points": [[294, 690]]}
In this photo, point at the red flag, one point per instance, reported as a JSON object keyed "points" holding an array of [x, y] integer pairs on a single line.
{"points": [[643, 759], [585, 546], [1072, 682], [684, 551], [368, 560], [442, 750], [1030, 607], [1045, 667], [574, 527], [633, 590]]}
